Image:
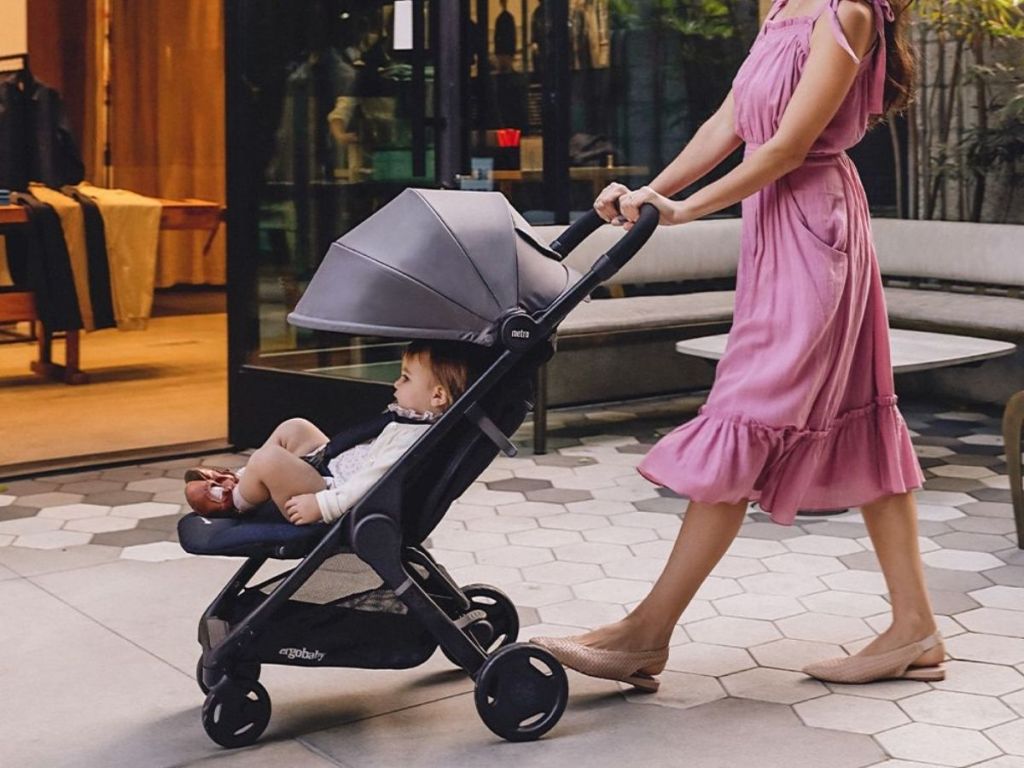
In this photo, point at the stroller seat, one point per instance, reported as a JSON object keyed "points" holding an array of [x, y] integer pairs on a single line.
{"points": [[260, 533]]}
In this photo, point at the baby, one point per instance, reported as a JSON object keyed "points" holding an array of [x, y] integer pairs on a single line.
{"points": [[311, 477]]}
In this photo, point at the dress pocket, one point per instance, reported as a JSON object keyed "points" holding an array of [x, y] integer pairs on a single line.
{"points": [[819, 205]]}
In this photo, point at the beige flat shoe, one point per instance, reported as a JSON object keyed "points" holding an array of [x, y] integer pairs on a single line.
{"points": [[891, 665], [624, 666]]}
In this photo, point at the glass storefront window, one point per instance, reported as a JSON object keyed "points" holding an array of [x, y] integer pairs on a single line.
{"points": [[643, 76], [335, 108]]}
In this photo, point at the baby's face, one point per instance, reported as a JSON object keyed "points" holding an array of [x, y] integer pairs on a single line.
{"points": [[417, 389]]}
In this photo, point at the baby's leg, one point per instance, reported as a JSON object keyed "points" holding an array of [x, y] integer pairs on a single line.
{"points": [[297, 436], [275, 472]]}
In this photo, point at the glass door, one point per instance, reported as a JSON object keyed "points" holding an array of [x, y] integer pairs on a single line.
{"points": [[330, 116]]}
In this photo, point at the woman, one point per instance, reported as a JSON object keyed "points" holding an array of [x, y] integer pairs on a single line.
{"points": [[802, 412]]}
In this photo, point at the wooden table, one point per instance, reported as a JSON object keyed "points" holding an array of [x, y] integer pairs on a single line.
{"points": [[918, 351], [18, 306]]}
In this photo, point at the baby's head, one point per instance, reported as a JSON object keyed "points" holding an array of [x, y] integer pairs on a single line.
{"points": [[434, 375]]}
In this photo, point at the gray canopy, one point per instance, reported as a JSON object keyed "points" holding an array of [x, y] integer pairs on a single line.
{"points": [[433, 264]]}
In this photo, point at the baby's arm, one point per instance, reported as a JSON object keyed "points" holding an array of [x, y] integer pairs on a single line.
{"points": [[393, 441]]}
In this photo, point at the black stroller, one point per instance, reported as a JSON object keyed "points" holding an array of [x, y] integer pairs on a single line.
{"points": [[367, 593]]}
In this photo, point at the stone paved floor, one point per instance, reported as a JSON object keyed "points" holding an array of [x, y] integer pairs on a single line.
{"points": [[98, 607]]}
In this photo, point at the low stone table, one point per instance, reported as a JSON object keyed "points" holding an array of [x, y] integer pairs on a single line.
{"points": [[919, 351]]}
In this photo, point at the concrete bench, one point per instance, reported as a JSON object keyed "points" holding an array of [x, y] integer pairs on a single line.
{"points": [[951, 277]]}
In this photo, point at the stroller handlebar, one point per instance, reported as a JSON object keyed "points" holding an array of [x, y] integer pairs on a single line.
{"points": [[619, 254]]}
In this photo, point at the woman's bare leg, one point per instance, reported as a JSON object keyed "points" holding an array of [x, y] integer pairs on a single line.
{"points": [[706, 533], [892, 525], [276, 470]]}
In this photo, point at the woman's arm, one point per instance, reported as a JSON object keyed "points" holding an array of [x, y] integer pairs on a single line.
{"points": [[714, 141], [827, 76]]}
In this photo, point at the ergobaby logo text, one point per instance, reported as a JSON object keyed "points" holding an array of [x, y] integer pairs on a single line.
{"points": [[302, 653]]}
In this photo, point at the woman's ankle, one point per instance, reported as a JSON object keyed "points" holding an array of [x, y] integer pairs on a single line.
{"points": [[650, 631]]}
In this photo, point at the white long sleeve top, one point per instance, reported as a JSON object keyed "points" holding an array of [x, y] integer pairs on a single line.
{"points": [[374, 459]]}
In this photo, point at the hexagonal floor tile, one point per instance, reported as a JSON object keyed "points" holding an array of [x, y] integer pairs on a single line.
{"points": [[981, 678], [1011, 598], [785, 584], [757, 548], [155, 485], [776, 685], [52, 540], [624, 591], [993, 649], [994, 621], [563, 573], [937, 744], [51, 499], [793, 654], [614, 534], [824, 628], [74, 511], [591, 552], [145, 509], [823, 545], [729, 630], [679, 690], [24, 526], [808, 565], [571, 522], [100, 524], [865, 582], [534, 595], [845, 604], [513, 556], [1009, 737], [705, 659], [581, 613], [155, 552], [850, 713], [960, 710], [750, 606]]}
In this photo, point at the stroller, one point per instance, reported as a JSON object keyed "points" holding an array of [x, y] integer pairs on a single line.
{"points": [[366, 593]]}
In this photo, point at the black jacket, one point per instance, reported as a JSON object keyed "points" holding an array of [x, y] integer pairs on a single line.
{"points": [[36, 143]]}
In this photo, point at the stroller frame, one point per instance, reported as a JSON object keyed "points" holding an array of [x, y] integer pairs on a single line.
{"points": [[373, 530]]}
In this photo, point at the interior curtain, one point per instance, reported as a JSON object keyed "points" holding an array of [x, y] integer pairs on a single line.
{"points": [[167, 119]]}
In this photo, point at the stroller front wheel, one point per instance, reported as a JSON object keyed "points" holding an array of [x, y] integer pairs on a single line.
{"points": [[500, 625], [236, 712], [521, 692]]}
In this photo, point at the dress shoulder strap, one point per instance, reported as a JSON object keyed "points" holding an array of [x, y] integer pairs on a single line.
{"points": [[883, 13]]}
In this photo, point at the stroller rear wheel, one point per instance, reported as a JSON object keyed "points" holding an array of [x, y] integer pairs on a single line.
{"points": [[521, 692], [236, 712], [245, 671], [500, 626]]}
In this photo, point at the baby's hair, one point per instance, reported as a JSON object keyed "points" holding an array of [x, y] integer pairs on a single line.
{"points": [[453, 364]]}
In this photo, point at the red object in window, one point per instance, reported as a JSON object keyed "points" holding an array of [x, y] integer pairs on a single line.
{"points": [[508, 137]]}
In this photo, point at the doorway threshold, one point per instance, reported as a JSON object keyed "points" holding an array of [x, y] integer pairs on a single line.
{"points": [[107, 460]]}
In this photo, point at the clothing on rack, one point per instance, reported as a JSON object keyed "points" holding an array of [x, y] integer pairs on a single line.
{"points": [[38, 260], [131, 223], [36, 143], [99, 266], [72, 221]]}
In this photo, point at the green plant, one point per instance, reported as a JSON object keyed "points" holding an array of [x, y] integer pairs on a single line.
{"points": [[958, 131]]}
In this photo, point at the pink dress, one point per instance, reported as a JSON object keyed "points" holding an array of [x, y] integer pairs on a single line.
{"points": [[802, 414]]}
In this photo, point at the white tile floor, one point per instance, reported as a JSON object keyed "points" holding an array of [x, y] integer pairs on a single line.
{"points": [[98, 606]]}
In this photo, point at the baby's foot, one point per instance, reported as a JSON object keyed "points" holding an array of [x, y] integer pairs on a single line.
{"points": [[209, 499]]}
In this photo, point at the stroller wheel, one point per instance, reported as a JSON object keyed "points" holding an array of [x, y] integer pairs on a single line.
{"points": [[521, 692], [236, 712], [499, 628], [246, 671]]}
